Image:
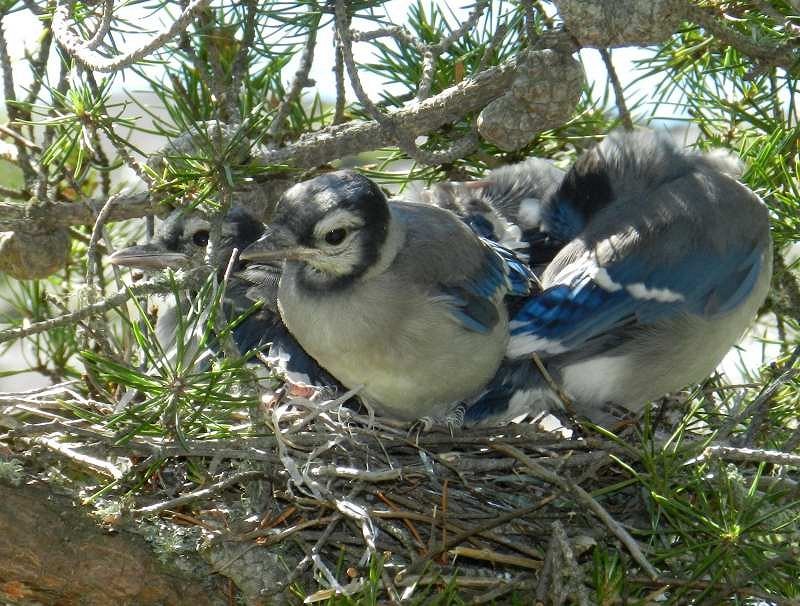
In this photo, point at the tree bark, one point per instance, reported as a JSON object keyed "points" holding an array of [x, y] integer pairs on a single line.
{"points": [[51, 553]]}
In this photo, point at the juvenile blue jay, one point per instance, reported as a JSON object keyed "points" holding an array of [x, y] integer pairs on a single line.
{"points": [[505, 206], [667, 259], [400, 299], [181, 242]]}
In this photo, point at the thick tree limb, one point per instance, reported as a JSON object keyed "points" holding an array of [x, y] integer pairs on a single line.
{"points": [[58, 214], [52, 554], [335, 142]]}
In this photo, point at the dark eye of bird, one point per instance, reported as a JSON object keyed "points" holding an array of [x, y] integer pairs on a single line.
{"points": [[335, 236], [200, 238]]}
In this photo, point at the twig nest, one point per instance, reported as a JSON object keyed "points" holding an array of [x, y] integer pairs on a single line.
{"points": [[543, 95], [605, 23], [30, 256]]}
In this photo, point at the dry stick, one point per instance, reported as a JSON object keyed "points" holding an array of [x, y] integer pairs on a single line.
{"points": [[311, 150], [397, 533], [274, 536], [468, 24], [79, 48], [60, 214], [432, 52], [98, 465], [240, 64], [308, 559], [461, 581], [547, 572], [565, 400], [299, 81], [398, 32], [45, 190], [437, 549], [666, 582], [518, 583], [622, 107], [198, 494], [499, 558], [418, 516], [782, 55], [406, 520], [18, 137], [469, 95], [105, 25], [403, 139], [147, 288], [97, 233], [569, 486], [576, 587], [341, 94], [48, 390], [763, 398], [14, 194], [751, 455]]}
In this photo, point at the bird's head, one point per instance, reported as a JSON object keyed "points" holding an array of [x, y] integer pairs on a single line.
{"points": [[182, 238], [335, 225]]}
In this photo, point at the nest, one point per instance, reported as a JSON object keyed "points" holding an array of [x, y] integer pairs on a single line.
{"points": [[489, 511], [314, 500]]}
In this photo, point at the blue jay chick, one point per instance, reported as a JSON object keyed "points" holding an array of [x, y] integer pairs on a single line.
{"points": [[181, 243], [400, 299], [504, 206], [668, 259]]}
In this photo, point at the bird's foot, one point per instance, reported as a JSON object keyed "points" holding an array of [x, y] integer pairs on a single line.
{"points": [[452, 420], [455, 418], [422, 425]]}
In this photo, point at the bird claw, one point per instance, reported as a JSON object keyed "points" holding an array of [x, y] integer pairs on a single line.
{"points": [[422, 425], [453, 420]]}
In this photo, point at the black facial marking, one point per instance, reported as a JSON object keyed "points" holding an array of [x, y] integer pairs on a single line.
{"points": [[304, 205], [587, 185], [172, 232], [245, 228], [240, 230]]}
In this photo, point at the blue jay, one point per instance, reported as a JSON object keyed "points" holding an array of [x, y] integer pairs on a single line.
{"points": [[504, 206], [181, 242], [399, 299], [667, 259]]}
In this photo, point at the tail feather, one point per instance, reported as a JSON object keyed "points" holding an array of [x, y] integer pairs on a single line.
{"points": [[518, 388]]}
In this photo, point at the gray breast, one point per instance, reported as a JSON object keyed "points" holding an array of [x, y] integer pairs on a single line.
{"points": [[408, 353]]}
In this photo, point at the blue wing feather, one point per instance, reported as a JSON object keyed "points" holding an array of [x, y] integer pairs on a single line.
{"points": [[568, 314], [473, 302]]}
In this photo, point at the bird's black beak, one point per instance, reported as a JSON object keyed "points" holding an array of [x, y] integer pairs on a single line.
{"points": [[276, 244], [151, 256]]}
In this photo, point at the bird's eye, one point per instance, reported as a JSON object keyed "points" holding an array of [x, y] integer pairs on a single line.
{"points": [[200, 238], [335, 236]]}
